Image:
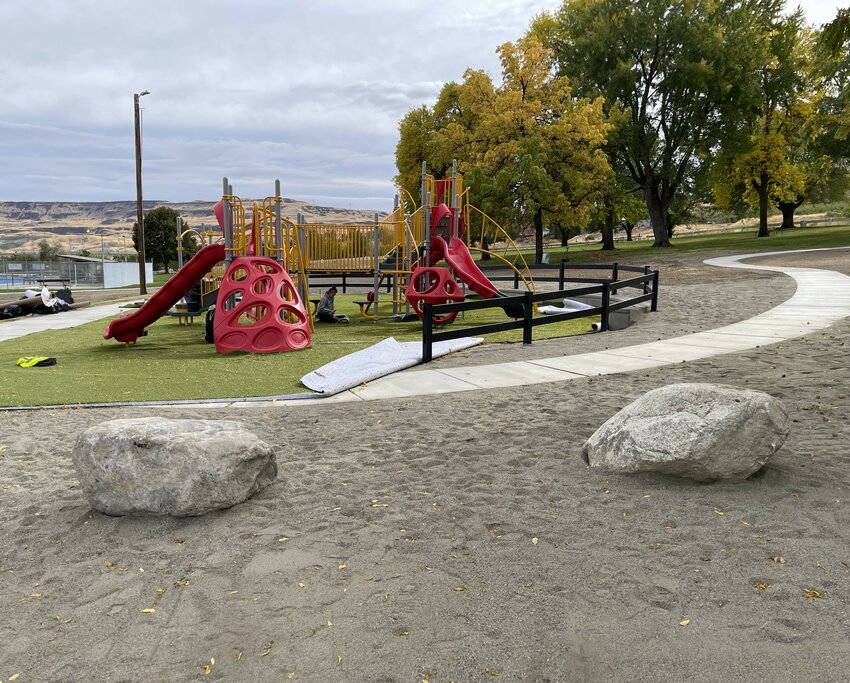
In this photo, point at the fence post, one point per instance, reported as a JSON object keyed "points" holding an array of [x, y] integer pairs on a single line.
{"points": [[615, 272], [527, 310], [376, 255], [606, 301], [426, 332], [561, 275], [646, 271], [654, 306], [516, 279]]}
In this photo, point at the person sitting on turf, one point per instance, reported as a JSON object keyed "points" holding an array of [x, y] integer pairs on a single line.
{"points": [[326, 312]]}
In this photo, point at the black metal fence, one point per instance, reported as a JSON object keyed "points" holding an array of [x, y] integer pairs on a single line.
{"points": [[647, 283], [359, 281]]}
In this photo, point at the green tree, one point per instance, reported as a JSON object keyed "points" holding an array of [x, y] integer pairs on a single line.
{"points": [[161, 237], [416, 133], [680, 73], [528, 148], [833, 67], [836, 34], [46, 251], [792, 148], [759, 162]]}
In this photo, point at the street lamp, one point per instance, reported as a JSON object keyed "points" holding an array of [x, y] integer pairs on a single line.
{"points": [[140, 219]]}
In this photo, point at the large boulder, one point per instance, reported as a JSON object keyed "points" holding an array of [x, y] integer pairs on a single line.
{"points": [[699, 431], [156, 466]]}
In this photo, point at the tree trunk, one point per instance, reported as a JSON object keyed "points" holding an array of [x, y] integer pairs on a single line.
{"points": [[565, 237], [628, 227], [657, 212], [608, 229], [788, 209], [658, 220], [761, 189], [538, 236], [485, 248]]}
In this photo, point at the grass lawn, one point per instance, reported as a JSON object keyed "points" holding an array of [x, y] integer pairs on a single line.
{"points": [[743, 242], [174, 362]]}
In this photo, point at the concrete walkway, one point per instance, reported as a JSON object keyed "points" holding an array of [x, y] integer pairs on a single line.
{"points": [[821, 299], [19, 327]]}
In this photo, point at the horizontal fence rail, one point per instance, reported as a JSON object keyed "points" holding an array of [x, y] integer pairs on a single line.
{"points": [[647, 282]]}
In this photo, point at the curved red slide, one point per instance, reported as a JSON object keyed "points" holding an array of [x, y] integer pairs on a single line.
{"points": [[130, 327], [458, 257]]}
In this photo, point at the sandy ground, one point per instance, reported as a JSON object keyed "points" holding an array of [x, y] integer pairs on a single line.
{"points": [[638, 578]]}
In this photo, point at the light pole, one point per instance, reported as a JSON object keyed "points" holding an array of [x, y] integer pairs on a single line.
{"points": [[140, 219]]}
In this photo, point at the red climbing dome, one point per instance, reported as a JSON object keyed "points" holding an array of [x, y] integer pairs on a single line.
{"points": [[270, 315], [434, 286]]}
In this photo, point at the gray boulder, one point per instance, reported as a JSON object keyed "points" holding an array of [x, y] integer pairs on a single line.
{"points": [[699, 431], [157, 466]]}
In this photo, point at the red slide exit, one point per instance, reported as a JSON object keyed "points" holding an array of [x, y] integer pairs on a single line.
{"points": [[457, 255], [128, 328]]}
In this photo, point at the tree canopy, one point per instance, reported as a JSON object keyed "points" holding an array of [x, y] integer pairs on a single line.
{"points": [[675, 101], [161, 237], [530, 150], [46, 251]]}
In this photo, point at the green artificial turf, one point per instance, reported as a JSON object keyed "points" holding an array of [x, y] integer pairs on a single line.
{"points": [[173, 361]]}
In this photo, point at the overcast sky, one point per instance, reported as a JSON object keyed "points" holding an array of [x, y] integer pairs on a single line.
{"points": [[308, 92]]}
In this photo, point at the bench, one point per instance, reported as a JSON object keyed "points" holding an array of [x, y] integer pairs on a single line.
{"points": [[364, 310], [66, 283], [183, 317]]}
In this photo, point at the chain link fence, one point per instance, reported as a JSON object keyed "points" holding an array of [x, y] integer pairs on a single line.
{"points": [[24, 274]]}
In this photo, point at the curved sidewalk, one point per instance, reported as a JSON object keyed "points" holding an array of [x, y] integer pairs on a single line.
{"points": [[19, 327], [821, 299]]}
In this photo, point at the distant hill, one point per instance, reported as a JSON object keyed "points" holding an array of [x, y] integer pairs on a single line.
{"points": [[64, 224]]}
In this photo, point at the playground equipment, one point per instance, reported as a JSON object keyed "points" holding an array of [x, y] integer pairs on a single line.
{"points": [[446, 237], [267, 313], [445, 227], [259, 305], [130, 327], [259, 276]]}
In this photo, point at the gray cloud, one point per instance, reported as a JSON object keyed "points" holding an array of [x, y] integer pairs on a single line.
{"points": [[310, 93]]}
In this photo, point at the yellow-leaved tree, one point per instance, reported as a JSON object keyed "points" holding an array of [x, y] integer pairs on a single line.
{"points": [[531, 151]]}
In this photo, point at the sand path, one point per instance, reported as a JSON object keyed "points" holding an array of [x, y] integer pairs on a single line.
{"points": [[311, 578]]}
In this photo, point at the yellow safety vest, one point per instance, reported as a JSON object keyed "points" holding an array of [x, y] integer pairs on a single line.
{"points": [[35, 361]]}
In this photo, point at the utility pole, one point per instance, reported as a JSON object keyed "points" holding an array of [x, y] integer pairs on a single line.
{"points": [[140, 218]]}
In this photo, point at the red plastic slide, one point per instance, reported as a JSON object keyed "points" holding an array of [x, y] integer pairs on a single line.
{"points": [[129, 327], [458, 257]]}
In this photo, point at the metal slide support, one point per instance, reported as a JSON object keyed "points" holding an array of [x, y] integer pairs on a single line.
{"points": [[426, 214], [427, 211], [228, 224], [403, 257], [179, 242], [376, 253], [278, 224], [302, 239], [455, 201]]}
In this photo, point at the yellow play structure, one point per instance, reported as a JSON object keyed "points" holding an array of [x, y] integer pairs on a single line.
{"points": [[390, 249]]}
